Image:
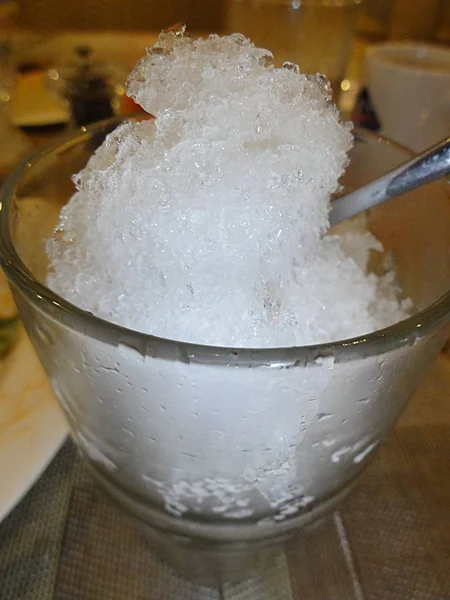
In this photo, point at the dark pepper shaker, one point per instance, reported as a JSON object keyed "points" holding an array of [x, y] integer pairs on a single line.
{"points": [[89, 91]]}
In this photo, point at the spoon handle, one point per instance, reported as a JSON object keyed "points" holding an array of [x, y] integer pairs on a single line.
{"points": [[428, 166]]}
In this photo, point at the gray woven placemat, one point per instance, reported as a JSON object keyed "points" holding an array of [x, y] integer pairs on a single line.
{"points": [[391, 540], [31, 536]]}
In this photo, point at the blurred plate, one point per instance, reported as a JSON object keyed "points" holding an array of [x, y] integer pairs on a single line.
{"points": [[32, 427], [33, 105]]}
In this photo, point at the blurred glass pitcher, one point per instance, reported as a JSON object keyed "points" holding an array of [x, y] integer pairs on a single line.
{"points": [[315, 34]]}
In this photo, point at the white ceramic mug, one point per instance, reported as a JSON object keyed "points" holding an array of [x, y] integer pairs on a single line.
{"points": [[409, 86]]}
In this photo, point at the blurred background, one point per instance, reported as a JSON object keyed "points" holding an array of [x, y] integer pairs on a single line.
{"points": [[399, 19], [137, 15]]}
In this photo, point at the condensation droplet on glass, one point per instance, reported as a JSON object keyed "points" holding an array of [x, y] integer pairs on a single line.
{"points": [[322, 416], [363, 400]]}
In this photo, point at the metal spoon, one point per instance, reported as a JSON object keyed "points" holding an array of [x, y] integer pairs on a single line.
{"points": [[425, 168]]}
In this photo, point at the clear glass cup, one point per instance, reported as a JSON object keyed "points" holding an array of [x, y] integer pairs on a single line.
{"points": [[315, 34], [292, 428]]}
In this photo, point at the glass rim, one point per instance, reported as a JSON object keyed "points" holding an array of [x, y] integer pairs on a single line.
{"points": [[405, 332]]}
